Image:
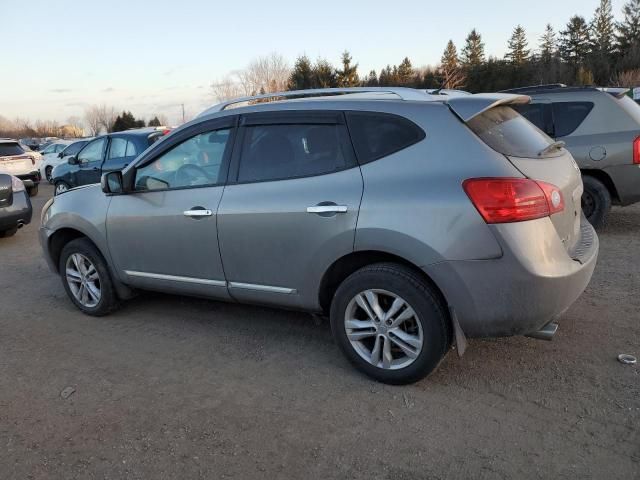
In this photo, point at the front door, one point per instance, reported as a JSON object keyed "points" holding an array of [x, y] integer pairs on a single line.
{"points": [[90, 160], [163, 235], [292, 207]]}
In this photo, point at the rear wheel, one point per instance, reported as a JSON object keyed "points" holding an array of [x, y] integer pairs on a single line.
{"points": [[47, 173], [86, 278], [596, 201], [61, 187], [33, 191], [390, 323]]}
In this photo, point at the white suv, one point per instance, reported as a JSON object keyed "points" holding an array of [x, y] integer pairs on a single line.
{"points": [[51, 158], [15, 161]]}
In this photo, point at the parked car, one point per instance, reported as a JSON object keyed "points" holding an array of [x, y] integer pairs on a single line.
{"points": [[36, 156], [15, 161], [102, 154], [411, 222], [59, 154], [15, 206], [601, 128]]}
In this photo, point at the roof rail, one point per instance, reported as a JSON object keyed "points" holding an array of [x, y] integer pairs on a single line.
{"points": [[403, 93], [534, 88]]}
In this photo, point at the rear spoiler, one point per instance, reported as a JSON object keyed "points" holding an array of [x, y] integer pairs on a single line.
{"points": [[468, 107], [617, 92]]}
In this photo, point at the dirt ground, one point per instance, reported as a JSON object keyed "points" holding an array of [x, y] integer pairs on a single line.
{"points": [[173, 387]]}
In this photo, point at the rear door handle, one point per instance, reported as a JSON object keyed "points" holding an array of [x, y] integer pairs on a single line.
{"points": [[198, 213], [327, 209]]}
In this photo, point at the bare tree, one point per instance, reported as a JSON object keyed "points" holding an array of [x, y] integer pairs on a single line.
{"points": [[628, 78], [226, 89], [92, 119], [107, 116]]}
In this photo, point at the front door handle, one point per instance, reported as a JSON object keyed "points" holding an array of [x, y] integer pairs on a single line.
{"points": [[327, 209], [197, 212]]}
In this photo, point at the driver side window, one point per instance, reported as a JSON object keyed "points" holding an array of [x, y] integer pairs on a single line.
{"points": [[192, 163], [93, 152]]}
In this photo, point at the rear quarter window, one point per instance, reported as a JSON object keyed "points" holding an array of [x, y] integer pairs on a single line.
{"points": [[376, 135], [7, 149], [507, 132], [567, 116]]}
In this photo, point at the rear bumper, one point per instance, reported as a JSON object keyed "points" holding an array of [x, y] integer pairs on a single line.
{"points": [[18, 213], [30, 179], [626, 179], [533, 283]]}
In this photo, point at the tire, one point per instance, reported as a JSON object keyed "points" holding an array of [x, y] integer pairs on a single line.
{"points": [[430, 322], [596, 201], [8, 233], [33, 191], [61, 187], [47, 173], [82, 248]]}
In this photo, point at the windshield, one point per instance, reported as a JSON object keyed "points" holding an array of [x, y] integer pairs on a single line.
{"points": [[12, 148], [507, 132]]}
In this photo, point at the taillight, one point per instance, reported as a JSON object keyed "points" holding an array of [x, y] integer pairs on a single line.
{"points": [[506, 200], [636, 151]]}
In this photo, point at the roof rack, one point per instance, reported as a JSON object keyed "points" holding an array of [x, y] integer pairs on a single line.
{"points": [[534, 88], [402, 93]]}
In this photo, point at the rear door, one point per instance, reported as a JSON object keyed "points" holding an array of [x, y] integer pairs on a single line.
{"points": [[290, 207], [121, 152]]}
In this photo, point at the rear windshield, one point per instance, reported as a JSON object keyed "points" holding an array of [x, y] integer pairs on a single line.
{"points": [[509, 133], [631, 107], [13, 148]]}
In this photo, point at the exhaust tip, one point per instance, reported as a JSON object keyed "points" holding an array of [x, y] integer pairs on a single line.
{"points": [[545, 333], [20, 224]]}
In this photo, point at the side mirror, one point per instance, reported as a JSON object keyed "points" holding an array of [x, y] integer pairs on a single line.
{"points": [[111, 182], [60, 155], [73, 160]]}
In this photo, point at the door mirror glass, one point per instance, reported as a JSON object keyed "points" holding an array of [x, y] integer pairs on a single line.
{"points": [[60, 155], [112, 182], [73, 160]]}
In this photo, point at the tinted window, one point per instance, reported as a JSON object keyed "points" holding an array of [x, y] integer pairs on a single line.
{"points": [[118, 148], [507, 132], [271, 152], [567, 116], [93, 151], [534, 112], [10, 149], [131, 150], [376, 135], [194, 162], [73, 149]]}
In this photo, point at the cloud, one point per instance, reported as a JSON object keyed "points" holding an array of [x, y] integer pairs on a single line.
{"points": [[75, 104], [170, 72], [60, 90], [108, 89]]}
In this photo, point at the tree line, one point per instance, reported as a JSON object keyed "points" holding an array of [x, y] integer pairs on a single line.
{"points": [[600, 52]]}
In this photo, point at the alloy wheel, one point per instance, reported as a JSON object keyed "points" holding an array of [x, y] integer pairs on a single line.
{"points": [[383, 329], [83, 280], [61, 187]]}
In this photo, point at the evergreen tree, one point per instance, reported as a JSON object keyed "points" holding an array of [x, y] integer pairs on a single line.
{"points": [[324, 75], [629, 28], [518, 53], [602, 27], [126, 121], [405, 72], [450, 71], [155, 122], [372, 79], [302, 74], [473, 51], [348, 75], [548, 44], [575, 42]]}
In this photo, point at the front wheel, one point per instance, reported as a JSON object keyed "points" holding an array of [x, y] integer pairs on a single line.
{"points": [[390, 323], [86, 278], [61, 187], [47, 173]]}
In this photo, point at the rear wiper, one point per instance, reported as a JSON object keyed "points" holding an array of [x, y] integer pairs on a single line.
{"points": [[551, 147]]}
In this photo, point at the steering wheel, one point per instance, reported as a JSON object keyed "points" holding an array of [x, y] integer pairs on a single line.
{"points": [[191, 174]]}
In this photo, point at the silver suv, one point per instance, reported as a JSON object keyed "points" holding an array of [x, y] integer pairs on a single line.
{"points": [[601, 129], [412, 220]]}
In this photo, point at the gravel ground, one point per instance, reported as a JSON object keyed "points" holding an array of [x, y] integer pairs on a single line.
{"points": [[173, 387]]}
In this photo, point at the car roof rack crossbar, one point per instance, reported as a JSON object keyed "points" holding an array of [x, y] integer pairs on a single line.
{"points": [[403, 93]]}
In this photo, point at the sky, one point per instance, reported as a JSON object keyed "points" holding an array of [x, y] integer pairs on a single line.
{"points": [[150, 57]]}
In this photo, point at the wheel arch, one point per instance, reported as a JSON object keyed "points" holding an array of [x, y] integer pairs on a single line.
{"points": [[605, 179]]}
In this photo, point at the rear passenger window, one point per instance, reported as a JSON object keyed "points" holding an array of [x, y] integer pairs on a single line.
{"points": [[376, 135], [131, 151], [277, 152], [117, 148], [567, 116]]}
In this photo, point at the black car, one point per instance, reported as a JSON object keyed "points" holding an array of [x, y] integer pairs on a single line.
{"points": [[15, 206], [105, 153]]}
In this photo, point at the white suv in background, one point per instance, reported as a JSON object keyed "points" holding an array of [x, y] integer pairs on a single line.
{"points": [[60, 152], [15, 161]]}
